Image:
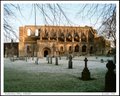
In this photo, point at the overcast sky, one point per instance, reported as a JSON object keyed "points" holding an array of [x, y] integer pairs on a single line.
{"points": [[73, 12]]}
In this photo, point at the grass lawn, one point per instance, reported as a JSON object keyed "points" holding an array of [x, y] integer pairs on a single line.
{"points": [[21, 81]]}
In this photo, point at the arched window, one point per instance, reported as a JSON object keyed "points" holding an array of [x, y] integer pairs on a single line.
{"points": [[76, 48], [76, 37], [28, 32], [36, 32], [61, 37], [83, 48], [69, 37]]}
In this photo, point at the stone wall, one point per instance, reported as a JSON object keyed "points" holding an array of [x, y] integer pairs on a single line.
{"points": [[59, 40]]}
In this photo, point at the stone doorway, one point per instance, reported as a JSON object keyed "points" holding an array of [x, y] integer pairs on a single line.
{"points": [[45, 53]]}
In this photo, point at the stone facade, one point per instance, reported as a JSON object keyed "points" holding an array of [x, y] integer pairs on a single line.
{"points": [[58, 40]]}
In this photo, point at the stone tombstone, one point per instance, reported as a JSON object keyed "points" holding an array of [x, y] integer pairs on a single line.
{"points": [[36, 62], [59, 57], [85, 72], [56, 60], [47, 58], [67, 57], [110, 77], [96, 57], [102, 60], [50, 59], [26, 58], [70, 62]]}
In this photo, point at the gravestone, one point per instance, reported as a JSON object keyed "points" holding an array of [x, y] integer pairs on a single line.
{"points": [[110, 77], [26, 58], [59, 57], [85, 72], [102, 60], [56, 60], [96, 57], [36, 62], [50, 59], [67, 57], [70, 62], [47, 58]]}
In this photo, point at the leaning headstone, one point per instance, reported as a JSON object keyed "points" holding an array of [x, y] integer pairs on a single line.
{"points": [[56, 60], [70, 62], [110, 77], [85, 72], [36, 62]]}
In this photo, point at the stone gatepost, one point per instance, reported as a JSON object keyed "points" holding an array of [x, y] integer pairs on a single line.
{"points": [[110, 77], [85, 72], [70, 62]]}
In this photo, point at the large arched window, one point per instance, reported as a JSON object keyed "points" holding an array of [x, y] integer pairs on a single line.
{"points": [[61, 36], [36, 32], [76, 37], [45, 35], [29, 32], [83, 48], [69, 37], [76, 48], [53, 35]]}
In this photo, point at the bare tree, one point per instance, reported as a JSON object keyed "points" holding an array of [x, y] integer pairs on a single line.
{"points": [[110, 27], [104, 13]]}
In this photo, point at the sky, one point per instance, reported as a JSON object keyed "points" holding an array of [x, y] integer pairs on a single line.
{"points": [[73, 11]]}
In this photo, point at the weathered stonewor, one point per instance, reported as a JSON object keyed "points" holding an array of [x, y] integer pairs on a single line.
{"points": [[70, 62], [85, 72], [56, 60], [110, 77]]}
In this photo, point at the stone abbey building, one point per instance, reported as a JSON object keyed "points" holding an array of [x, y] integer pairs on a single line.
{"points": [[60, 40]]}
